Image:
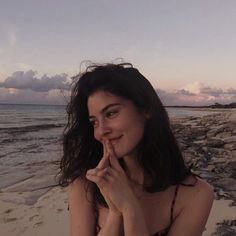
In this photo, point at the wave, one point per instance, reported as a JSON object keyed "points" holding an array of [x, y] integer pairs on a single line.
{"points": [[30, 128]]}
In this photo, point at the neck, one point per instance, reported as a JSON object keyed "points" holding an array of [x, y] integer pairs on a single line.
{"points": [[133, 170]]}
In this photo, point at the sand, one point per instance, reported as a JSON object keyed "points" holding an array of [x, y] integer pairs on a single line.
{"points": [[47, 217]]}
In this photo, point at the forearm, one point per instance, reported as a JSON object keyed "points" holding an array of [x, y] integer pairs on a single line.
{"points": [[134, 222], [113, 225]]}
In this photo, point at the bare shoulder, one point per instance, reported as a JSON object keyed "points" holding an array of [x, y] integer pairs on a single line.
{"points": [[199, 184], [196, 203], [79, 194], [201, 189], [80, 208]]}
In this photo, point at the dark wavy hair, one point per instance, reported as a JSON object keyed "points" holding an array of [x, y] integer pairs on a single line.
{"points": [[159, 154]]}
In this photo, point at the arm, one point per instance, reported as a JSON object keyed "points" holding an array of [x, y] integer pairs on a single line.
{"points": [[192, 219], [113, 225], [114, 186], [81, 214], [134, 221]]}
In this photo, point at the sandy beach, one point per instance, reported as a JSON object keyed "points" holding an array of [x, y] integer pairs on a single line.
{"points": [[28, 207], [48, 216]]}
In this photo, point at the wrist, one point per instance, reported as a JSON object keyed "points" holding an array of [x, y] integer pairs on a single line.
{"points": [[134, 221], [132, 210], [114, 216]]}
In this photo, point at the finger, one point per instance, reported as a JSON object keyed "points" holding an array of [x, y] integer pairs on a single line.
{"points": [[105, 150], [110, 204], [100, 172], [100, 181], [103, 163], [105, 160], [112, 157], [92, 171]]}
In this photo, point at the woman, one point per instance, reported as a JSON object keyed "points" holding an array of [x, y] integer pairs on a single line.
{"points": [[122, 165]]}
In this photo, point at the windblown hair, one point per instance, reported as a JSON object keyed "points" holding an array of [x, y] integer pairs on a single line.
{"points": [[159, 154]]}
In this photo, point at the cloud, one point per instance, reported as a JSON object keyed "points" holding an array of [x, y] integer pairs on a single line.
{"points": [[215, 92], [23, 66], [26, 88], [231, 91], [194, 87], [197, 94], [185, 92], [27, 96], [28, 80]]}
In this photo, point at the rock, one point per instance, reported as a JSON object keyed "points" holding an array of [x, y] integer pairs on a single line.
{"points": [[226, 228], [188, 157], [182, 145], [233, 164], [215, 143], [223, 135], [218, 160], [201, 137], [227, 183], [231, 139], [208, 145], [205, 149], [233, 154], [230, 146], [212, 133], [200, 142], [207, 174]]}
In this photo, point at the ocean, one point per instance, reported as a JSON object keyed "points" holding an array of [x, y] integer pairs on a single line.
{"points": [[30, 138]]}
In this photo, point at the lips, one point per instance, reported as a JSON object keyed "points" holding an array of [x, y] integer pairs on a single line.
{"points": [[115, 140]]}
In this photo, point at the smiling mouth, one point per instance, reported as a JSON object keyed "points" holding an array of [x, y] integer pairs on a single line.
{"points": [[115, 140]]}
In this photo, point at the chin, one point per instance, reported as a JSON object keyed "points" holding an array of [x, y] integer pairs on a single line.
{"points": [[121, 154]]}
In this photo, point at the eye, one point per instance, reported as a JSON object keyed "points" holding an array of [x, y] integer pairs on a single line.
{"points": [[111, 113], [93, 123]]}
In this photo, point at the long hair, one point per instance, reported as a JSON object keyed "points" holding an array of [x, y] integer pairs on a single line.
{"points": [[159, 154]]}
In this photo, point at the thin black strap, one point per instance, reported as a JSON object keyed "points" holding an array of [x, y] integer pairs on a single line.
{"points": [[173, 204]]}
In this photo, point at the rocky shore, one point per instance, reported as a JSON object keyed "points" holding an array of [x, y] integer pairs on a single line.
{"points": [[209, 146]]}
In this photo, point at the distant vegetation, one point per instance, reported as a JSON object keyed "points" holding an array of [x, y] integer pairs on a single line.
{"points": [[216, 105]]}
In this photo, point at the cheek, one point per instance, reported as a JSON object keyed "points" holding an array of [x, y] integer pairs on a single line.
{"points": [[96, 136], [136, 130]]}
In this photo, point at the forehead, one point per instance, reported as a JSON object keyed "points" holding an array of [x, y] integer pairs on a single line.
{"points": [[100, 99]]}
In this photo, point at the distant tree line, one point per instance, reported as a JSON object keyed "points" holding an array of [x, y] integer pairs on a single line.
{"points": [[216, 105]]}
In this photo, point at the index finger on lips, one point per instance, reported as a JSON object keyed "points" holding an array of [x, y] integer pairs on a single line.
{"points": [[104, 162], [112, 157]]}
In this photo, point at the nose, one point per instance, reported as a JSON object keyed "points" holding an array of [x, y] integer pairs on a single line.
{"points": [[102, 130]]}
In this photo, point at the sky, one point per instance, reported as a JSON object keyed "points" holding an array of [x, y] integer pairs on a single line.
{"points": [[186, 48]]}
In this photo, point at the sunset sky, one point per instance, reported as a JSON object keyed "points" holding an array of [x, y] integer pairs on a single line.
{"points": [[186, 48]]}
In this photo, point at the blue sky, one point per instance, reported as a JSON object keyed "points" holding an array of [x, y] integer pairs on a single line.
{"points": [[186, 48]]}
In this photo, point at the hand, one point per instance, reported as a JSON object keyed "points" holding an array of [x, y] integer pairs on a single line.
{"points": [[112, 181], [100, 172]]}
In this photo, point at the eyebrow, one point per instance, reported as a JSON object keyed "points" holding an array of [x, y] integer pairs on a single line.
{"points": [[106, 108]]}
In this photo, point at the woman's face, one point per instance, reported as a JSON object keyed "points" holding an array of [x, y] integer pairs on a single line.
{"points": [[116, 119]]}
